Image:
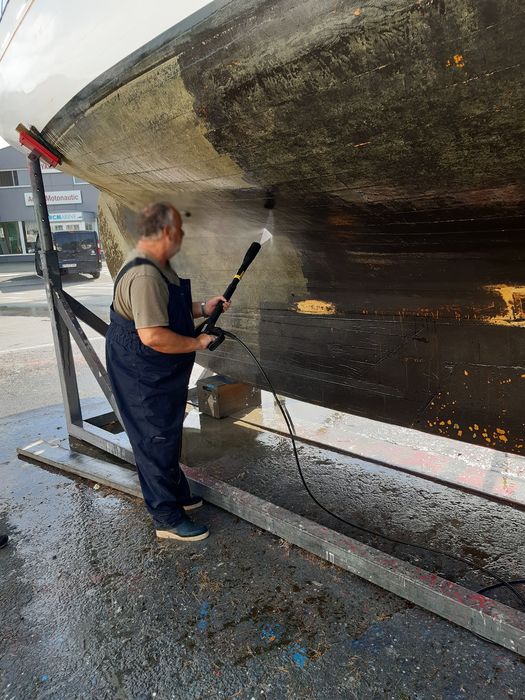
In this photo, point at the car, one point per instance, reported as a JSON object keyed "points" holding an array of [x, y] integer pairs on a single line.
{"points": [[78, 251]]}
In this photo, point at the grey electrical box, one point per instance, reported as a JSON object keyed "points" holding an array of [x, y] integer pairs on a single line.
{"points": [[220, 396]]}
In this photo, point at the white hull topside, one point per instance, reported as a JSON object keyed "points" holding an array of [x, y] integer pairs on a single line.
{"points": [[51, 49]]}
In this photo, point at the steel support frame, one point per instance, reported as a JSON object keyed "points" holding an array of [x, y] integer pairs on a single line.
{"points": [[64, 312]]}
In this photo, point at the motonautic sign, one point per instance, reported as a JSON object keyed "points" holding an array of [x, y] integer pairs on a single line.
{"points": [[64, 197]]}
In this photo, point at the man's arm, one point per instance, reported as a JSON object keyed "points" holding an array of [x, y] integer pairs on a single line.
{"points": [[162, 339], [149, 299]]}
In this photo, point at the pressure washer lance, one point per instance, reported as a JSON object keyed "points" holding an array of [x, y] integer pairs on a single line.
{"points": [[208, 326]]}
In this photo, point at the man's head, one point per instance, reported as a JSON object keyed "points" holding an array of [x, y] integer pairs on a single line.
{"points": [[160, 225]]}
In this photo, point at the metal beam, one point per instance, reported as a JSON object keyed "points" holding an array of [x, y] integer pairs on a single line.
{"points": [[85, 347], [116, 445], [85, 315], [494, 621], [52, 280], [62, 309], [480, 470]]}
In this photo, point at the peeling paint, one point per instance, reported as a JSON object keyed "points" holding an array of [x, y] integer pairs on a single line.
{"points": [[314, 306], [497, 437], [513, 297], [457, 61]]}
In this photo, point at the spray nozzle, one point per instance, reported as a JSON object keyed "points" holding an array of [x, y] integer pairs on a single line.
{"points": [[265, 236]]}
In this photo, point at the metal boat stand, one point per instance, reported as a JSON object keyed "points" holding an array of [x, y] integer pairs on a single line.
{"points": [[65, 313], [496, 622]]}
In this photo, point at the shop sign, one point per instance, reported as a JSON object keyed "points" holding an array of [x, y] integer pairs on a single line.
{"points": [[64, 197], [72, 216]]}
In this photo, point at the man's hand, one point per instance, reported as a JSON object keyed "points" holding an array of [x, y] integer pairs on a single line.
{"points": [[203, 340], [210, 305], [162, 339]]}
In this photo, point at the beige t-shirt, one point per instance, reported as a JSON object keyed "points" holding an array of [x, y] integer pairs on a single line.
{"points": [[142, 293]]}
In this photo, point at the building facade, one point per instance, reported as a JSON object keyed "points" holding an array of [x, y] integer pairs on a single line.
{"points": [[72, 205]]}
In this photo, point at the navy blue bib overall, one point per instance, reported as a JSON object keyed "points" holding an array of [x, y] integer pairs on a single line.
{"points": [[151, 390]]}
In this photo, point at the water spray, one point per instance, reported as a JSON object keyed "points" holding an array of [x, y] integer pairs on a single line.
{"points": [[208, 326]]}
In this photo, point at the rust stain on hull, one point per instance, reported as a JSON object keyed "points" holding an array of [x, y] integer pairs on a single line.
{"points": [[514, 298], [313, 306]]}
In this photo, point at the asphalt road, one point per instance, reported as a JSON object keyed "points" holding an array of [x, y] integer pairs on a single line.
{"points": [[28, 371]]}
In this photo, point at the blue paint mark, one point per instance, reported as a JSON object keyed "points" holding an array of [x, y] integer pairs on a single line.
{"points": [[452, 693], [272, 633], [375, 639], [202, 624], [298, 655], [44, 678]]}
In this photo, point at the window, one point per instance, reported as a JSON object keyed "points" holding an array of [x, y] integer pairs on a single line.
{"points": [[30, 234], [73, 242], [10, 238], [9, 178]]}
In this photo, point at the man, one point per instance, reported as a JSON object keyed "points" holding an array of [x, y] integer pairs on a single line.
{"points": [[150, 350]]}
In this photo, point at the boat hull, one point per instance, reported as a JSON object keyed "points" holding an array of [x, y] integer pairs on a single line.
{"points": [[392, 135], [389, 322]]}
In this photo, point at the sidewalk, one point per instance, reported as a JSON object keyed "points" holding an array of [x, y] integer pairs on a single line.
{"points": [[13, 269]]}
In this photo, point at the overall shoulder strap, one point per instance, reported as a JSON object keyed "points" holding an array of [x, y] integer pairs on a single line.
{"points": [[135, 263]]}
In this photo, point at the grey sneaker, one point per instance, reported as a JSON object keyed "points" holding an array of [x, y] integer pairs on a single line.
{"points": [[186, 531]]}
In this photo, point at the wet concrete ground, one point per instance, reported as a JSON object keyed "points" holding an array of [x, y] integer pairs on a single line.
{"points": [[93, 607], [401, 506]]}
